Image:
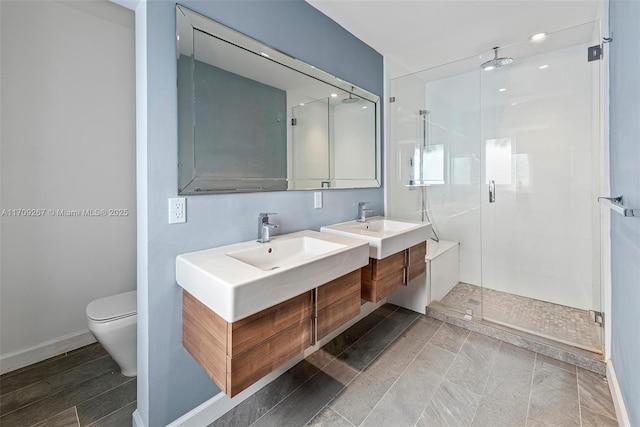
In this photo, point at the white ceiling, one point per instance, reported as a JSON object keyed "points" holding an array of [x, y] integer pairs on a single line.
{"points": [[419, 34]]}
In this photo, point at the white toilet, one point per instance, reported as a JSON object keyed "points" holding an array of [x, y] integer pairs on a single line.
{"points": [[112, 320]]}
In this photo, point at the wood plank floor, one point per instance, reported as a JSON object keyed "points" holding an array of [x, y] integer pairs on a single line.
{"points": [[80, 388]]}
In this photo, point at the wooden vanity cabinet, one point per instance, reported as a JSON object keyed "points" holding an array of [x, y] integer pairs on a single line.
{"points": [[236, 355], [383, 276], [416, 264], [337, 302]]}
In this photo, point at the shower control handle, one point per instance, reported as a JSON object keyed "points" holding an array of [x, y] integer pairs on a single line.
{"points": [[492, 191]]}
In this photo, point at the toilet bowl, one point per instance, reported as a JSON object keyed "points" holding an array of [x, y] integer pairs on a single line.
{"points": [[112, 320]]}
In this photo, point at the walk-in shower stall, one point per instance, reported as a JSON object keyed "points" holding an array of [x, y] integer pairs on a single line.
{"points": [[505, 158]]}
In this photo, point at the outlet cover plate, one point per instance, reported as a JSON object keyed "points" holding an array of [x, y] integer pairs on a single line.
{"points": [[177, 210]]}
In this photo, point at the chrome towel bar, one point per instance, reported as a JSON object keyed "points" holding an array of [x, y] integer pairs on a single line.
{"points": [[617, 205]]}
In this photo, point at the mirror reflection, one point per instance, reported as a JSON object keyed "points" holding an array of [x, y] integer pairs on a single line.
{"points": [[251, 118]]}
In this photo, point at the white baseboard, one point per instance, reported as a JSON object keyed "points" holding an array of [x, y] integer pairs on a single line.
{"points": [[19, 359], [616, 395], [137, 420], [220, 404]]}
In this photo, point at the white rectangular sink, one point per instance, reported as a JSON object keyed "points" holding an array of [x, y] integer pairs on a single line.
{"points": [[285, 252], [239, 280], [385, 236]]}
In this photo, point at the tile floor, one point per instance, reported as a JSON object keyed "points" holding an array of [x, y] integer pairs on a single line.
{"points": [[568, 324], [80, 388], [394, 368], [398, 368]]}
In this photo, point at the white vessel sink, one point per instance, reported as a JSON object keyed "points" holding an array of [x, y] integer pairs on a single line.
{"points": [[385, 236], [238, 280]]}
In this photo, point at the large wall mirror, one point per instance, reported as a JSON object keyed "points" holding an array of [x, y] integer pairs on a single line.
{"points": [[251, 118]]}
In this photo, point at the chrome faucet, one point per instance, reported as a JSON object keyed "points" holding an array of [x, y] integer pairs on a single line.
{"points": [[362, 212], [264, 226]]}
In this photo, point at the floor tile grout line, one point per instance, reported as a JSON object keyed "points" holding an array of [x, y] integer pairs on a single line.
{"points": [[444, 377], [338, 412], [370, 362], [107, 415], [533, 374], [338, 355], [579, 400], [486, 383], [320, 370], [41, 363], [75, 409], [48, 418], [43, 379], [400, 375], [110, 390], [60, 391]]}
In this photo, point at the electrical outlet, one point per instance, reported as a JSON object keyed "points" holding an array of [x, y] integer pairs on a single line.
{"points": [[177, 210], [317, 200]]}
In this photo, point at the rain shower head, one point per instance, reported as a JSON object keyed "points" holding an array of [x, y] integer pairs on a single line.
{"points": [[496, 62], [350, 100]]}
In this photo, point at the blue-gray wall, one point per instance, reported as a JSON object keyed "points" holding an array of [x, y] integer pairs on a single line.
{"points": [[624, 23], [170, 382]]}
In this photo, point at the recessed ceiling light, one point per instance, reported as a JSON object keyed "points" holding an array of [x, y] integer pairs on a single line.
{"points": [[538, 37], [514, 103], [264, 54], [502, 89], [542, 67], [333, 95], [489, 68], [365, 107], [301, 104]]}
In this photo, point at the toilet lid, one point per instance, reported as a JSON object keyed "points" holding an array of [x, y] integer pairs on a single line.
{"points": [[112, 307]]}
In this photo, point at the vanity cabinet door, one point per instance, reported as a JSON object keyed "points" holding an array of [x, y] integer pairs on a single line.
{"points": [[417, 264], [268, 355], [383, 276], [337, 302], [250, 331], [236, 355]]}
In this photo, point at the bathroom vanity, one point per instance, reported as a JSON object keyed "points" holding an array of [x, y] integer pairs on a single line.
{"points": [[250, 307], [383, 276], [237, 354], [397, 252]]}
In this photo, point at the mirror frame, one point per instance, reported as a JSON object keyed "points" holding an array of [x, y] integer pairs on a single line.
{"points": [[188, 21]]}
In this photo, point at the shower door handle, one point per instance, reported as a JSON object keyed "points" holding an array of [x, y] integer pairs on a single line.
{"points": [[492, 191]]}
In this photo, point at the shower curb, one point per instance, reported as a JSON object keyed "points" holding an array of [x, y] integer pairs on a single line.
{"points": [[485, 328]]}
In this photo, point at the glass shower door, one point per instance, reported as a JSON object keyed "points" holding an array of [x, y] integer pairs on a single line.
{"points": [[540, 145], [434, 174]]}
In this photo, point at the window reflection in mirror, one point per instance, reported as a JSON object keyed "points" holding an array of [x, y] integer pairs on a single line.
{"points": [[251, 118]]}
